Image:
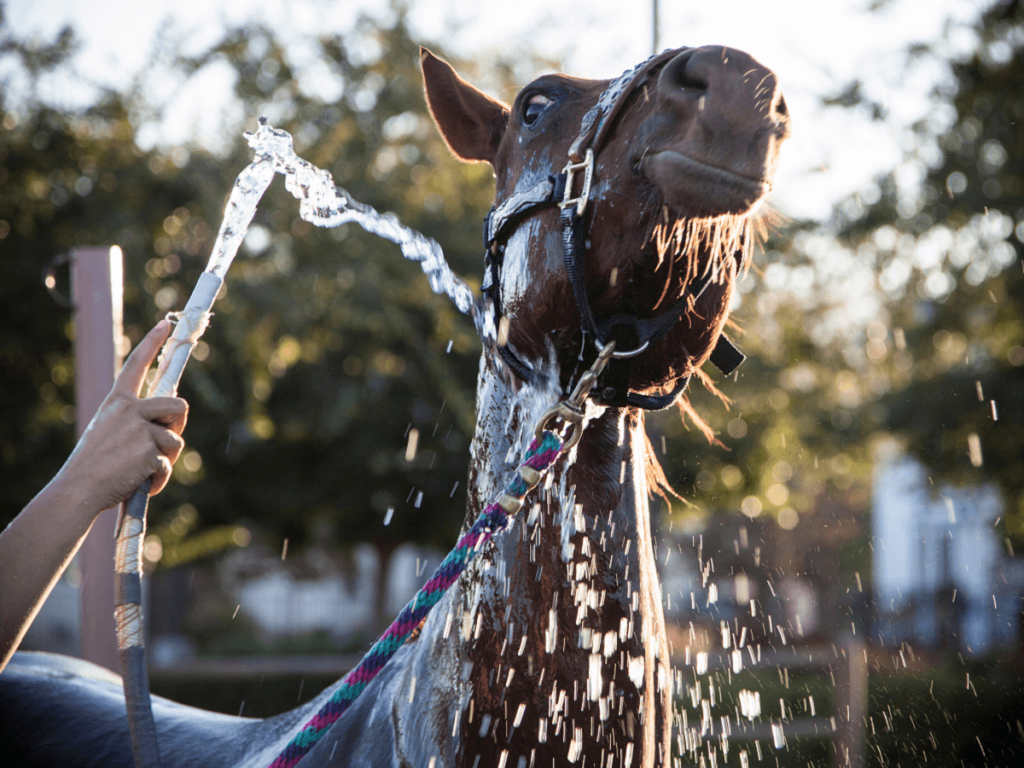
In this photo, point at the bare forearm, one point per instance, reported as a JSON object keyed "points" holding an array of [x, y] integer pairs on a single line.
{"points": [[34, 551], [127, 441]]}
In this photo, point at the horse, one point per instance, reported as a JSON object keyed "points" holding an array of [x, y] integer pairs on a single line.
{"points": [[624, 212]]}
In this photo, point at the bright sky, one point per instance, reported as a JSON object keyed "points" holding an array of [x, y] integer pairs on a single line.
{"points": [[815, 47]]}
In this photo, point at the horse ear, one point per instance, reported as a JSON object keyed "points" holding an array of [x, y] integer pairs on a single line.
{"points": [[471, 122]]}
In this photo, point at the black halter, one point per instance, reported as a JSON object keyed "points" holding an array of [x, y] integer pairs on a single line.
{"points": [[631, 334]]}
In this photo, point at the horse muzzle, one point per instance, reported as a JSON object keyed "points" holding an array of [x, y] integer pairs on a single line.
{"points": [[712, 144]]}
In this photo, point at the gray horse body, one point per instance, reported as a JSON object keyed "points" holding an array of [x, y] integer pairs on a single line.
{"points": [[60, 711]]}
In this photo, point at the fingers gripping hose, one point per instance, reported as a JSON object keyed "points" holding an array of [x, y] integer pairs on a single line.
{"points": [[131, 530], [131, 533]]}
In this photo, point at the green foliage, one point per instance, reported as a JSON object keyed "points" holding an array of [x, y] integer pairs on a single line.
{"points": [[904, 315], [792, 464], [945, 714], [949, 256], [65, 180], [327, 348]]}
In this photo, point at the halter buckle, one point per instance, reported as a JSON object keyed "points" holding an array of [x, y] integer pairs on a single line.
{"points": [[587, 166]]}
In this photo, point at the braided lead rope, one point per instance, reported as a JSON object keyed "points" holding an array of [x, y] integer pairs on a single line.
{"points": [[497, 517]]}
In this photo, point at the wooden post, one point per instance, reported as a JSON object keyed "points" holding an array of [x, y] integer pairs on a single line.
{"points": [[851, 705], [96, 291]]}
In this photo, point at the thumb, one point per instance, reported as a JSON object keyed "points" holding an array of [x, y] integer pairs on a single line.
{"points": [[133, 372]]}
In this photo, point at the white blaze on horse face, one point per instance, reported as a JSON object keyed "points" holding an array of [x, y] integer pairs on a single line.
{"points": [[518, 275]]}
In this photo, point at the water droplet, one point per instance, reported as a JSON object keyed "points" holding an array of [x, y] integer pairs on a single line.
{"points": [[778, 737]]}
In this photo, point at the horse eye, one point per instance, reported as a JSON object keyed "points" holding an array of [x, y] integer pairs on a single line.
{"points": [[534, 107]]}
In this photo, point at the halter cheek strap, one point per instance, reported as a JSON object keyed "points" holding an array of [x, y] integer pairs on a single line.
{"points": [[631, 334]]}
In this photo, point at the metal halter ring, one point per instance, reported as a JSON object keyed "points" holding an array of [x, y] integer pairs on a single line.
{"points": [[626, 353], [570, 416]]}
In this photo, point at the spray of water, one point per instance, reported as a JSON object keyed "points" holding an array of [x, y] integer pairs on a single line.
{"points": [[324, 204]]}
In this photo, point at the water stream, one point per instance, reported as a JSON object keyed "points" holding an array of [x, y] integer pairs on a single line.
{"points": [[324, 204]]}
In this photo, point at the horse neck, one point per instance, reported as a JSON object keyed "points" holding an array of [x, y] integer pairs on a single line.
{"points": [[602, 477], [567, 602]]}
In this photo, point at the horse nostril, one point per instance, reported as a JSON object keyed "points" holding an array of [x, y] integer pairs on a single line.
{"points": [[687, 81], [679, 77], [689, 76], [780, 107]]}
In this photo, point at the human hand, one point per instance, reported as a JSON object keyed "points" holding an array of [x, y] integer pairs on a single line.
{"points": [[129, 439]]}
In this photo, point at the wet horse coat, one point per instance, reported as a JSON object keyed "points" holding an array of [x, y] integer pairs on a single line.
{"points": [[552, 647]]}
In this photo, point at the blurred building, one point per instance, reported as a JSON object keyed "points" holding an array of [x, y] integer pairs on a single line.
{"points": [[942, 575], [342, 604], [311, 593]]}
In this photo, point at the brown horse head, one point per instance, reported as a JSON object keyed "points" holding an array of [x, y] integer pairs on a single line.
{"points": [[685, 161]]}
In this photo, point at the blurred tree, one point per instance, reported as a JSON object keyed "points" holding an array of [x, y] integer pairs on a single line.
{"points": [[333, 348], [332, 385], [903, 314], [65, 180], [948, 253]]}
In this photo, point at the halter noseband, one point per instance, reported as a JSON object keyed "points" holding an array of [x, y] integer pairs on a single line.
{"points": [[631, 334]]}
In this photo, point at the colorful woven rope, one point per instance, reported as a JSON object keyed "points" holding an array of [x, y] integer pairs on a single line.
{"points": [[495, 518]]}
